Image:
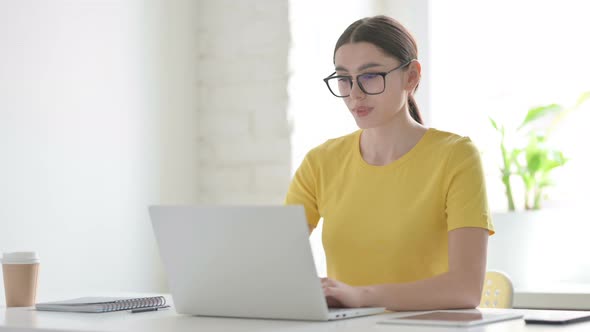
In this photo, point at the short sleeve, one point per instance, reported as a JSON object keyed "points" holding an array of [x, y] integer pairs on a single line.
{"points": [[466, 199], [303, 190]]}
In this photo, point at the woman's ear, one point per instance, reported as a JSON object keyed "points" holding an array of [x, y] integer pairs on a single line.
{"points": [[413, 75]]}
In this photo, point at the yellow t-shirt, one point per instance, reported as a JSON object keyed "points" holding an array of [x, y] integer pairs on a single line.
{"points": [[389, 224]]}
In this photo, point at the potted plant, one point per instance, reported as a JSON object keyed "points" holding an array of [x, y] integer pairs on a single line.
{"points": [[520, 244], [533, 161]]}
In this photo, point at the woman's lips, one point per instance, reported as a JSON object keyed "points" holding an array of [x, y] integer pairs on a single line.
{"points": [[362, 111]]}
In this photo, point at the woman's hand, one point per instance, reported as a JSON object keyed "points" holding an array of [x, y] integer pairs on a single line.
{"points": [[339, 294]]}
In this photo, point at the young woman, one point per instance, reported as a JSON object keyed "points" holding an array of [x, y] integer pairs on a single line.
{"points": [[406, 220]]}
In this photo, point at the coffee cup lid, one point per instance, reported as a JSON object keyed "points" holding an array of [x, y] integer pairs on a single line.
{"points": [[21, 257]]}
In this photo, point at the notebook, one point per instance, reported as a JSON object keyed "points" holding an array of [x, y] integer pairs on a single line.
{"points": [[242, 261], [102, 304]]}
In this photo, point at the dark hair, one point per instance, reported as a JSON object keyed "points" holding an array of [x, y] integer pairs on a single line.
{"points": [[391, 37]]}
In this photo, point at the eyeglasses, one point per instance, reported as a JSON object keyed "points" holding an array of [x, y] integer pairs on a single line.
{"points": [[370, 83]]}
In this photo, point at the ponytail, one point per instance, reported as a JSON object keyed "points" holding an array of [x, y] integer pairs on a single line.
{"points": [[414, 111]]}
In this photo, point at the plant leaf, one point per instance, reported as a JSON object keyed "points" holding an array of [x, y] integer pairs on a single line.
{"points": [[555, 159], [494, 124], [534, 161], [539, 112], [582, 99]]}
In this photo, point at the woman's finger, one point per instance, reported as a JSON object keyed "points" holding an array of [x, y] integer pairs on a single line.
{"points": [[332, 292], [328, 282], [331, 297], [333, 303]]}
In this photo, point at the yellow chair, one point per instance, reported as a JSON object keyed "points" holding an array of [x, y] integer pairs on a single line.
{"points": [[497, 291]]}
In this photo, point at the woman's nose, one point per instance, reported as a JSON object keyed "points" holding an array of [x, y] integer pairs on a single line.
{"points": [[355, 91]]}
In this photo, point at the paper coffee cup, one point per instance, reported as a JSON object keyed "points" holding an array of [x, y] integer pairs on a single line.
{"points": [[23, 257], [20, 270]]}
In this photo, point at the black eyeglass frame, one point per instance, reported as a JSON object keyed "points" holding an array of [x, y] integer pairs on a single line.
{"points": [[382, 74]]}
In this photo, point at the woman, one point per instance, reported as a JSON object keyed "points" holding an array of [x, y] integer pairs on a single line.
{"points": [[405, 210]]}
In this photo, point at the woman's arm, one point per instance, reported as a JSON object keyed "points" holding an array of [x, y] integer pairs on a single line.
{"points": [[458, 288]]}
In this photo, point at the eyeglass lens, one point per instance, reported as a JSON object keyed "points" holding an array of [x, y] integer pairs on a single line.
{"points": [[369, 83]]}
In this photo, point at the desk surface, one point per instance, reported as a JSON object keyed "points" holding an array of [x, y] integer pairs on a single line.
{"points": [[28, 319], [566, 296]]}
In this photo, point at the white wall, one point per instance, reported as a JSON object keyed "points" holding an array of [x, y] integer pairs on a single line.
{"points": [[506, 58], [89, 103], [171, 29], [243, 137], [109, 106], [415, 16]]}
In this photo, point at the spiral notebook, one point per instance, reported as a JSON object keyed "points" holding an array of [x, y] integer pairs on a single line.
{"points": [[102, 304]]}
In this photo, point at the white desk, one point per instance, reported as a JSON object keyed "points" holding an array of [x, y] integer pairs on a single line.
{"points": [[28, 319], [555, 296]]}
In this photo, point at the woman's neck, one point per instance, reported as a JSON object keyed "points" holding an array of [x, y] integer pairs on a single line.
{"points": [[386, 144]]}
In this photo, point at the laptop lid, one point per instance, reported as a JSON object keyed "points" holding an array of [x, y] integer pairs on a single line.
{"points": [[239, 261]]}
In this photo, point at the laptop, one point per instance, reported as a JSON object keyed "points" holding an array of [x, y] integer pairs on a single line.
{"points": [[242, 261]]}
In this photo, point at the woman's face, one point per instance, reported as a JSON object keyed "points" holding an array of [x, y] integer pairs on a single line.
{"points": [[372, 111]]}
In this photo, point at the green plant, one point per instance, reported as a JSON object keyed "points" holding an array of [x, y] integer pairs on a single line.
{"points": [[534, 161]]}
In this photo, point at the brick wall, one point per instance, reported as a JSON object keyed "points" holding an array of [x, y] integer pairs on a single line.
{"points": [[242, 73]]}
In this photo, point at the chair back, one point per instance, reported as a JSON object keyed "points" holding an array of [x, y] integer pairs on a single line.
{"points": [[497, 291]]}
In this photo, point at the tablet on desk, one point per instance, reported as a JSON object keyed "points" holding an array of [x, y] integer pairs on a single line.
{"points": [[555, 317], [452, 318]]}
